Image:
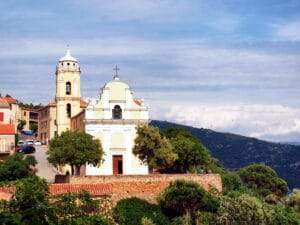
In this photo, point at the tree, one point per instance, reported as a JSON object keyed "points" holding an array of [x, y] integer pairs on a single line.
{"points": [[33, 127], [192, 155], [263, 179], [134, 211], [153, 149], [75, 149], [31, 202], [246, 209], [16, 167], [21, 124], [185, 197], [231, 182]]}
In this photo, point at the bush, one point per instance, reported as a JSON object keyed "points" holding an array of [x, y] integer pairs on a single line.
{"points": [[231, 182], [131, 211], [16, 167], [185, 197], [263, 179], [246, 209], [87, 220]]}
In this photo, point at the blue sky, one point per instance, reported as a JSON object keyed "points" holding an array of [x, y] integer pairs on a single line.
{"points": [[226, 65]]}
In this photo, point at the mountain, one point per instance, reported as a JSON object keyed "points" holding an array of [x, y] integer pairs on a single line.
{"points": [[236, 151]]}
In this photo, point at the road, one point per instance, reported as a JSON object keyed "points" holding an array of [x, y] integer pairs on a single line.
{"points": [[45, 169]]}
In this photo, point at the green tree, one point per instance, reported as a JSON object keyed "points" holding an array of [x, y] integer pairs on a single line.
{"points": [[192, 155], [33, 127], [263, 179], [16, 167], [75, 149], [153, 149], [21, 124], [185, 197], [246, 209], [133, 211], [31, 202], [231, 182]]}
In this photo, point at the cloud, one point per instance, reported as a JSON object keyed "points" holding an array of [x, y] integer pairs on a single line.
{"points": [[289, 31], [271, 122]]}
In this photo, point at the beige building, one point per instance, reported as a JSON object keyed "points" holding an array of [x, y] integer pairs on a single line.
{"points": [[7, 140], [30, 116], [55, 118], [9, 111]]}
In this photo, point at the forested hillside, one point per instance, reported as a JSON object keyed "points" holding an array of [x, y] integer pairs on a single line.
{"points": [[236, 151]]}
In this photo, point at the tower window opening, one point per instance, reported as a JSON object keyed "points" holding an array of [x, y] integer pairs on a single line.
{"points": [[69, 110], [68, 64], [117, 112], [68, 88]]}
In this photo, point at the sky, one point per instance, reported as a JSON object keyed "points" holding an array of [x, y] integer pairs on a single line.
{"points": [[232, 66]]}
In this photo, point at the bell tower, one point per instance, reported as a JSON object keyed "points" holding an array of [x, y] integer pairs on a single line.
{"points": [[67, 95]]}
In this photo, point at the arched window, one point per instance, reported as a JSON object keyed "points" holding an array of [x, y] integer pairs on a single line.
{"points": [[117, 112], [69, 110], [68, 88]]}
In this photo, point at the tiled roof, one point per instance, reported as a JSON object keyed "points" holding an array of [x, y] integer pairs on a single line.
{"points": [[137, 101], [7, 129], [4, 103], [83, 104], [93, 189], [10, 100], [57, 189]]}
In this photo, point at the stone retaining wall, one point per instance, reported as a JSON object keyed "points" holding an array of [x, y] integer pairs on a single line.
{"points": [[147, 186]]}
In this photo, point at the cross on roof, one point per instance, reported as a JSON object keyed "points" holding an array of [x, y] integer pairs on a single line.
{"points": [[116, 69]]}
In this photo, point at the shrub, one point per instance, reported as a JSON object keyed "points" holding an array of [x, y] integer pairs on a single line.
{"points": [[131, 211], [231, 182], [263, 179], [246, 209], [16, 167], [185, 197]]}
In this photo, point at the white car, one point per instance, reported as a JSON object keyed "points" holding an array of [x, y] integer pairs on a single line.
{"points": [[30, 142], [37, 143]]}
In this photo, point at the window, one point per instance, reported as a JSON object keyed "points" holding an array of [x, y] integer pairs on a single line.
{"points": [[68, 64], [69, 110], [68, 88], [1, 116], [117, 112], [24, 113]]}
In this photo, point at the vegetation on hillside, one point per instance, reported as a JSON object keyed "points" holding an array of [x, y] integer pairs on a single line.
{"points": [[253, 195], [236, 151]]}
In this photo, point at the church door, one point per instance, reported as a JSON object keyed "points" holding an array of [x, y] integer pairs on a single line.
{"points": [[117, 164]]}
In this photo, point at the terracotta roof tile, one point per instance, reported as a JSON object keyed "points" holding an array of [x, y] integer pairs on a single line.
{"points": [[137, 101], [4, 103], [7, 129], [10, 100], [93, 189], [83, 104], [57, 189]]}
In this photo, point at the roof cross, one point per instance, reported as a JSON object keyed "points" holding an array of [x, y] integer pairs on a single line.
{"points": [[116, 69]]}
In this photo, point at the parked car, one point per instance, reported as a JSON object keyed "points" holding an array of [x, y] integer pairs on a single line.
{"points": [[37, 143], [29, 142], [28, 149], [20, 143]]}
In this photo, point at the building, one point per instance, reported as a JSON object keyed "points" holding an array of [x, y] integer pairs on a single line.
{"points": [[55, 118], [30, 116], [7, 139], [113, 119], [9, 111]]}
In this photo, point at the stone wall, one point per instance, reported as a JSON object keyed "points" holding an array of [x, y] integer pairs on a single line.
{"points": [[147, 186]]}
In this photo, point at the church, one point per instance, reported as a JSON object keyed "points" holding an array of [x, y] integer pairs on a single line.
{"points": [[112, 118]]}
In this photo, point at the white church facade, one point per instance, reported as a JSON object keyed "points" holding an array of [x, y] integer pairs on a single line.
{"points": [[113, 118]]}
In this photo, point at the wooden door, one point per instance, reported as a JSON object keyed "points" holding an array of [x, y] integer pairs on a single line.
{"points": [[117, 164]]}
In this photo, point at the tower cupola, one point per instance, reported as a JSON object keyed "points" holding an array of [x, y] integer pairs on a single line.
{"points": [[68, 63]]}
